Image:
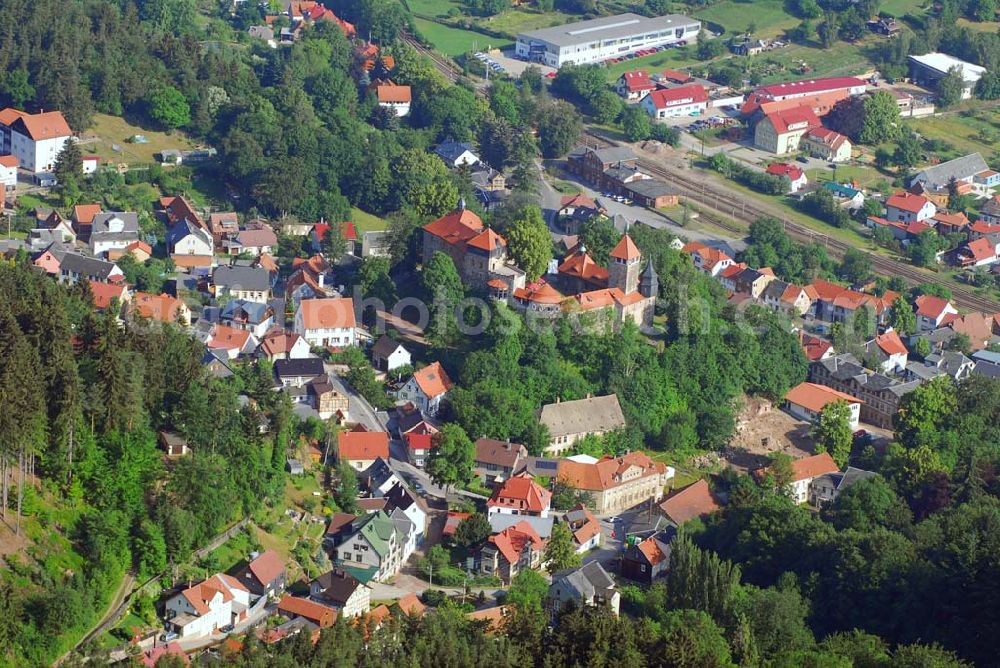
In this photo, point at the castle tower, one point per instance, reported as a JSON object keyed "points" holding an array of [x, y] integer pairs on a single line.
{"points": [[624, 265], [649, 283]]}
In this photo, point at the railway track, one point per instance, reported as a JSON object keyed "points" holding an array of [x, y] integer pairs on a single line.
{"points": [[743, 210]]}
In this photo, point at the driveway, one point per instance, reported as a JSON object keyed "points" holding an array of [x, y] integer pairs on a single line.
{"points": [[358, 407]]}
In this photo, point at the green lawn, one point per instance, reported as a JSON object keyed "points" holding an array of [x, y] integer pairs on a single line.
{"points": [[514, 21], [105, 131], [667, 59], [432, 7], [768, 16], [455, 41], [967, 134], [865, 176], [902, 7], [366, 222], [783, 64]]}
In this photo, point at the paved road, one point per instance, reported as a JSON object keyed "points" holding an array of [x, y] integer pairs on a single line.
{"points": [[550, 198], [358, 407]]}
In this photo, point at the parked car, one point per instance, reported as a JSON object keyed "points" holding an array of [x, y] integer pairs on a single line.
{"points": [[168, 636]]}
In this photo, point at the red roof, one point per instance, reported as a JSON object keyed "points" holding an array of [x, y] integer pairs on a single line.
{"points": [[815, 397], [416, 441], [411, 605], [579, 200], [452, 521], [693, 501], [581, 265], [267, 567], [363, 445], [512, 541], [44, 125], [784, 169], [931, 306], [487, 240], [810, 86], [810, 467], [625, 250], [393, 94], [891, 344], [981, 249], [828, 137], [797, 118], [303, 607], [457, 227], [521, 493], [540, 294], [638, 81], [328, 313], [104, 292], [665, 98], [651, 550], [9, 161], [814, 347], [905, 201], [228, 338], [432, 380], [676, 76]]}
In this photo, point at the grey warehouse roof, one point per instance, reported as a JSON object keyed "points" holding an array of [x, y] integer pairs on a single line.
{"points": [[607, 28]]}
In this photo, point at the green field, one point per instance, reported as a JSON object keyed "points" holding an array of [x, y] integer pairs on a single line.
{"points": [[438, 8], [768, 16], [667, 59], [366, 222], [865, 176], [105, 131], [967, 134], [455, 41], [903, 7], [514, 21], [783, 64]]}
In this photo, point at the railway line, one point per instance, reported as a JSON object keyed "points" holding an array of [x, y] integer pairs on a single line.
{"points": [[720, 200], [746, 211]]}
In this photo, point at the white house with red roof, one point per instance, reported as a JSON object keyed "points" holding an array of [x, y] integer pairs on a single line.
{"points": [[510, 551], [426, 388], [906, 207], [888, 348], [360, 449], [634, 85], [326, 322], [392, 96], [827, 144], [520, 495], [781, 131], [234, 342], [8, 171], [806, 401], [795, 176], [707, 260], [678, 101], [36, 139], [805, 470], [977, 253], [815, 348], [207, 606], [932, 311]]}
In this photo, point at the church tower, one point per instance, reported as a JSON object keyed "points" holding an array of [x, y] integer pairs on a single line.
{"points": [[649, 283], [624, 265]]}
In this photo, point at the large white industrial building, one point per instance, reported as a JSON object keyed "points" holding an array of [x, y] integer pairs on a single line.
{"points": [[607, 37]]}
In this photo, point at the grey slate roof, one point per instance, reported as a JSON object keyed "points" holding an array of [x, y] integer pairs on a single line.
{"points": [[450, 150], [307, 366], [541, 525], [242, 278], [256, 312], [607, 28], [651, 188], [596, 414], [102, 222], [385, 346], [937, 176], [586, 580], [607, 155], [88, 267]]}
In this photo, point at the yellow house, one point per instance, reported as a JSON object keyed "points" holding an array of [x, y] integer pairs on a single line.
{"points": [[781, 131], [827, 145]]}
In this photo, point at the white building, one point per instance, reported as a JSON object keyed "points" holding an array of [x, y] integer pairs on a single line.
{"points": [[88, 164], [673, 102], [326, 322], [806, 401], [426, 388], [8, 171], [930, 67], [807, 469], [115, 230], [601, 39], [199, 610], [36, 140]]}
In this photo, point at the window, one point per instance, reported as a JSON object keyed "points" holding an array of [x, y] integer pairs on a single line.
{"points": [[642, 569]]}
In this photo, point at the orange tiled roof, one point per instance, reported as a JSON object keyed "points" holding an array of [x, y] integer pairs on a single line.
{"points": [[363, 445], [523, 493], [625, 250], [581, 265], [810, 467], [693, 501], [815, 397], [328, 313], [433, 380]]}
